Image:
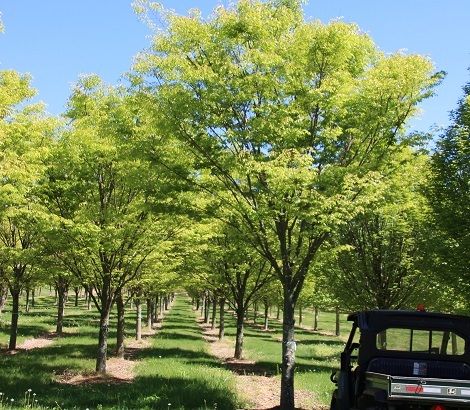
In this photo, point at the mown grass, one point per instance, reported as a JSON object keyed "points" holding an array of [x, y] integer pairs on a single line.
{"points": [[175, 372]]}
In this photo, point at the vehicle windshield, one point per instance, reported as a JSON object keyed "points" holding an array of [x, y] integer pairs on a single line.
{"points": [[422, 341]]}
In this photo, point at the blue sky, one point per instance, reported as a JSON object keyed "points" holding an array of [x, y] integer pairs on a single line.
{"points": [[57, 40]]}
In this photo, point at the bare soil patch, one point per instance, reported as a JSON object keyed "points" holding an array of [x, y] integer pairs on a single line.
{"points": [[118, 370], [37, 342]]}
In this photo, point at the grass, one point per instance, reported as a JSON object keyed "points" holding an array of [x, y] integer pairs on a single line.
{"points": [[317, 353], [175, 372]]}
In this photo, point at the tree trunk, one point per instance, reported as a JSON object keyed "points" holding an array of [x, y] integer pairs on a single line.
{"points": [[454, 344], [60, 289], [103, 341], [214, 314], [338, 331], [288, 351], [266, 316], [315, 323], [207, 310], [3, 297], [239, 337], [149, 313], [77, 291], [300, 316], [155, 310], [138, 324], [120, 334], [90, 293], [27, 300], [255, 313], [15, 311], [221, 318]]}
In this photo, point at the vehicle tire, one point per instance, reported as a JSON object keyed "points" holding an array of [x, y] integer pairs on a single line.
{"points": [[366, 402], [334, 402]]}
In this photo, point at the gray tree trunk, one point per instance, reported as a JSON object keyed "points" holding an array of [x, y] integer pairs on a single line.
{"points": [[266, 316], [15, 312], [138, 324], [239, 337], [288, 352], [103, 341], [221, 318], [338, 330], [149, 313], [120, 347], [315, 323], [214, 314], [61, 290]]}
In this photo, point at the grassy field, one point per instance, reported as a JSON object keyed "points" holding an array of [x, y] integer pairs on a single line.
{"points": [[317, 353], [174, 372]]}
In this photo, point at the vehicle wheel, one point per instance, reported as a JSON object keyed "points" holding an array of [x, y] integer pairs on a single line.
{"points": [[366, 402], [334, 402]]}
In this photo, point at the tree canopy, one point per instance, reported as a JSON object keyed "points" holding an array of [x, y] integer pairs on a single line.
{"points": [[449, 194], [291, 117], [262, 143]]}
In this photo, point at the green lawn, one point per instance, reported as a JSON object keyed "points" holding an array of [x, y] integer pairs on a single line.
{"points": [[175, 372]]}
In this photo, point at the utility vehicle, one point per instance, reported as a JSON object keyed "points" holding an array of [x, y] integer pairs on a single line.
{"points": [[397, 360]]}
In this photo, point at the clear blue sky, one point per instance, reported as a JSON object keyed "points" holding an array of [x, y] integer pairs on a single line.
{"points": [[57, 40]]}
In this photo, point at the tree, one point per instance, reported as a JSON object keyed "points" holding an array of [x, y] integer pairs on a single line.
{"points": [[100, 202], [26, 134], [449, 195], [290, 117], [244, 274], [382, 257]]}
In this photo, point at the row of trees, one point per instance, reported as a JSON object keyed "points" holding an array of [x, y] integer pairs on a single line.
{"points": [[254, 155]]}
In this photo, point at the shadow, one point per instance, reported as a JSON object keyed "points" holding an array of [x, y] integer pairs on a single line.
{"points": [[49, 372], [250, 368], [46, 374], [176, 352], [149, 392], [28, 332]]}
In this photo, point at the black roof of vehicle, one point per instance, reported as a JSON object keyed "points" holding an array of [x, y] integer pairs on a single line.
{"points": [[376, 320], [372, 322]]}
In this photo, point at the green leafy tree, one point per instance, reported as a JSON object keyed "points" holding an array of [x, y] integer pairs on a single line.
{"points": [[244, 274], [290, 117], [382, 260], [449, 195], [102, 205], [26, 134]]}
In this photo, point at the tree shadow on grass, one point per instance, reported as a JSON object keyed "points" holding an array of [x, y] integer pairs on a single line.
{"points": [[40, 372], [149, 392], [175, 352]]}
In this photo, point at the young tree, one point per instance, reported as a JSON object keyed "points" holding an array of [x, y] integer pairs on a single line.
{"points": [[449, 195], [101, 203], [243, 272], [290, 117], [382, 260], [26, 136]]}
